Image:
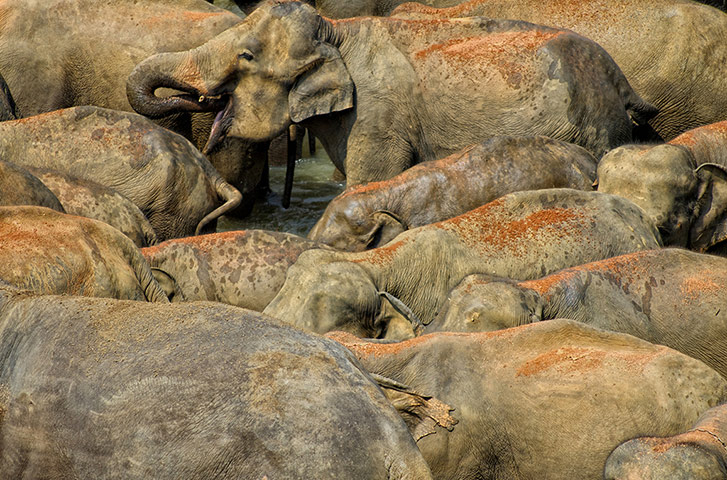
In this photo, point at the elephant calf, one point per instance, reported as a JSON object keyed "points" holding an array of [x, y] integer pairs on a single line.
{"points": [[93, 200], [20, 187], [110, 389], [682, 185], [521, 235], [162, 173], [700, 453], [244, 268], [548, 400], [672, 297], [54, 253], [371, 215]]}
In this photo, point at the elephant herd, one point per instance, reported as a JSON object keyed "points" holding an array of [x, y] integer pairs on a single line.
{"points": [[524, 278]]}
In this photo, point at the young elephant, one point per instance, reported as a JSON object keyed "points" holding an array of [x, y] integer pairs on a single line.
{"points": [[371, 215], [109, 389], [700, 453], [548, 400], [20, 187], [244, 268], [682, 185], [54, 253], [672, 297], [163, 174], [93, 200], [520, 235], [383, 94]]}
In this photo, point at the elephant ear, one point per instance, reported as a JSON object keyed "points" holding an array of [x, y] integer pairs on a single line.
{"points": [[168, 284], [324, 87], [386, 226], [421, 413], [709, 228]]}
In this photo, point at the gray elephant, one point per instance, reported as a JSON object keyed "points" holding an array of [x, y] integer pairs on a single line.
{"points": [[54, 253], [384, 94], [686, 85], [242, 268], [109, 389], [162, 173], [391, 290], [670, 296], [682, 185], [20, 187], [93, 200], [62, 53], [359, 8], [548, 400], [371, 215], [699, 453]]}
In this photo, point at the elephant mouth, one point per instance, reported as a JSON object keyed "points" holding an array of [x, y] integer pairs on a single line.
{"points": [[220, 126]]}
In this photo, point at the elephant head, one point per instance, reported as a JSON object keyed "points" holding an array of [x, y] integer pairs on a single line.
{"points": [[482, 303], [688, 202], [321, 295], [350, 226], [280, 65]]}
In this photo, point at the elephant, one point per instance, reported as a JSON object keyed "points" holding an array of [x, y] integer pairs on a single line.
{"points": [[368, 216], [241, 268], [682, 185], [360, 8], [384, 94], [108, 389], [395, 290], [696, 454], [101, 44], [20, 187], [54, 253], [670, 296], [162, 173], [547, 400], [93, 200], [686, 84]]}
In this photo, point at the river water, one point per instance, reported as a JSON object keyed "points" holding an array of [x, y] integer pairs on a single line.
{"points": [[313, 188]]}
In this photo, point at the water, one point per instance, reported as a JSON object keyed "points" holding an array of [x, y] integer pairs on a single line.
{"points": [[313, 188]]}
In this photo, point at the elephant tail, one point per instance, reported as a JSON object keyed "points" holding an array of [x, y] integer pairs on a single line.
{"points": [[231, 197], [152, 290]]}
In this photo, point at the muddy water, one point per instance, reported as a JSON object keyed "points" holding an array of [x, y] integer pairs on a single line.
{"points": [[313, 188]]}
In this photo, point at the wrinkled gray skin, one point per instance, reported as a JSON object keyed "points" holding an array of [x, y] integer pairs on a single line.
{"points": [[384, 94], [8, 110], [101, 44], [54, 253], [672, 297], [93, 200], [549, 400], [371, 215], [699, 453], [681, 186], [96, 388], [162, 173], [241, 268], [686, 84], [20, 187], [360, 8], [521, 235]]}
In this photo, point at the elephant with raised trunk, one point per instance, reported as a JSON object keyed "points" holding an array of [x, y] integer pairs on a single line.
{"points": [[171, 182], [384, 94], [368, 216], [669, 296], [394, 290], [53, 253], [672, 51]]}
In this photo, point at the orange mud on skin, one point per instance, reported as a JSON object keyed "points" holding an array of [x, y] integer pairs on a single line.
{"points": [[692, 137], [572, 360], [381, 256], [693, 286], [203, 243]]}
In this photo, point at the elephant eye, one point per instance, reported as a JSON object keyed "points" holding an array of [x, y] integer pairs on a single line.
{"points": [[245, 55]]}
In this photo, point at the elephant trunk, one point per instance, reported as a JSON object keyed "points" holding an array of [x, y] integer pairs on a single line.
{"points": [[159, 71], [232, 198]]}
